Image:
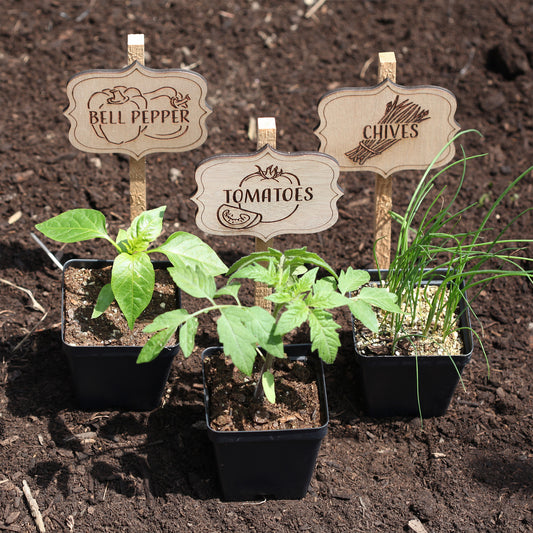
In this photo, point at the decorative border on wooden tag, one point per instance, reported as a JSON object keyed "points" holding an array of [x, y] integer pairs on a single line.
{"points": [[387, 128], [267, 193], [137, 110]]}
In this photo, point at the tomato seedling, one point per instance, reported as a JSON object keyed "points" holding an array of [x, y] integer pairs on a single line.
{"points": [[299, 297]]}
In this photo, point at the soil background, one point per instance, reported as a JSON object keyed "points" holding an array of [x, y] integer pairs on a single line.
{"points": [[470, 470]]}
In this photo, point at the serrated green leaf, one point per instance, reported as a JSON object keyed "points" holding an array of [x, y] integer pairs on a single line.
{"points": [[280, 297], [239, 343], [187, 335], [183, 248], [254, 257], [171, 319], [256, 273], [305, 257], [194, 281], [379, 297], [263, 326], [154, 345], [232, 289], [75, 225], [306, 282], [350, 280], [324, 336], [267, 381], [104, 300], [324, 295], [132, 281], [292, 317], [365, 314], [300, 270]]}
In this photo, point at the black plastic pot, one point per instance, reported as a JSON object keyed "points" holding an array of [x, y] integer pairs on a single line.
{"points": [[394, 385], [275, 464], [108, 377]]}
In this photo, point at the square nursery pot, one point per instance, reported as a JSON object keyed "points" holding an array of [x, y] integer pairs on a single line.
{"points": [[108, 377], [389, 383], [274, 464]]}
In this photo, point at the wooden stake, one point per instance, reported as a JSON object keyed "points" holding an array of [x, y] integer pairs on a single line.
{"points": [[383, 186], [266, 134], [137, 166]]}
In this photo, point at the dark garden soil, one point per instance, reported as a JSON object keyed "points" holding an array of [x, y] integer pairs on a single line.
{"points": [[470, 470]]}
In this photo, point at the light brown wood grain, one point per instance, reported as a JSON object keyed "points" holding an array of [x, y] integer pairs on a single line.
{"points": [[383, 186], [137, 167], [266, 134], [137, 110], [267, 193], [387, 128]]}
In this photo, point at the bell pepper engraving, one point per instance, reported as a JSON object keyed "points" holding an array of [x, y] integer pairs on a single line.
{"points": [[111, 112]]}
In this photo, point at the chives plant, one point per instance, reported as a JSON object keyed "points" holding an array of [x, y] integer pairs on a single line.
{"points": [[432, 246]]}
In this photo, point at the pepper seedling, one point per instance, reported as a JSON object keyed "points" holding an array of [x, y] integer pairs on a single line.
{"points": [[299, 297], [132, 274]]}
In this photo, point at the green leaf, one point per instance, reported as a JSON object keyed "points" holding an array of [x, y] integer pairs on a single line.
{"points": [[267, 381], [145, 229], [305, 282], [294, 316], [324, 336], [365, 314], [231, 289], [75, 225], [379, 297], [256, 273], [183, 248], [132, 281], [254, 257], [263, 326], [350, 280], [122, 240], [194, 281], [170, 319], [303, 257], [187, 336], [280, 297], [324, 295], [104, 300], [154, 345], [239, 343]]}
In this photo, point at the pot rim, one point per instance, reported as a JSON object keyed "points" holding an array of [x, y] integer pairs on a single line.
{"points": [[262, 433]]}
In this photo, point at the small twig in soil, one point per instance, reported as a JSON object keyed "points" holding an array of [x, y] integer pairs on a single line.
{"points": [[314, 8], [34, 507], [34, 303]]}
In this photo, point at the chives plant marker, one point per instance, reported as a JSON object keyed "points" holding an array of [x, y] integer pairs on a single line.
{"points": [[385, 129]]}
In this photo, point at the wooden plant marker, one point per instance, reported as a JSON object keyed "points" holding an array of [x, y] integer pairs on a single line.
{"points": [[266, 135], [137, 166], [137, 111], [383, 185], [267, 193], [386, 129]]}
